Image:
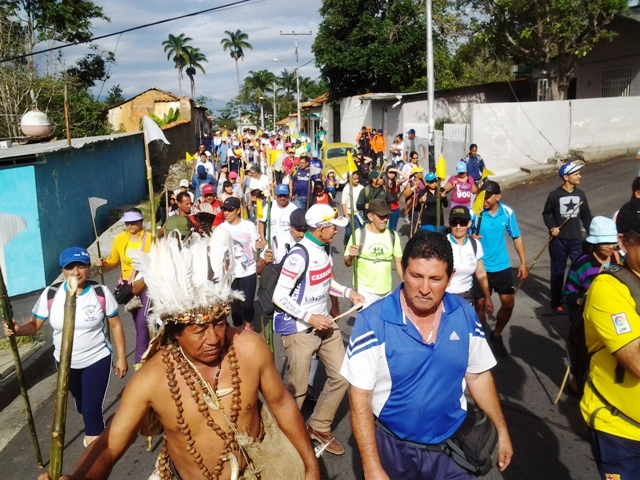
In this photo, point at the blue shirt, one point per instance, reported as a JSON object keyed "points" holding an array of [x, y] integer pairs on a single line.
{"points": [[492, 228], [301, 180], [475, 167], [418, 388]]}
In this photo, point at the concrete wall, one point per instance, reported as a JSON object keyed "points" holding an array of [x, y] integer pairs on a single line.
{"points": [[182, 140], [109, 169], [354, 114], [23, 255], [513, 135], [622, 51]]}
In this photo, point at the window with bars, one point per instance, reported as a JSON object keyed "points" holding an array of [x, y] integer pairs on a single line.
{"points": [[616, 82]]}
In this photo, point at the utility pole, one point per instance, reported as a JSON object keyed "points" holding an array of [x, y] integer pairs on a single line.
{"points": [[430, 89], [275, 116], [295, 36]]}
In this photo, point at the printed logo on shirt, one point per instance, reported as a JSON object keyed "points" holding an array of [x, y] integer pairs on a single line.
{"points": [[288, 273], [454, 336], [621, 323], [90, 313], [568, 206], [319, 276]]}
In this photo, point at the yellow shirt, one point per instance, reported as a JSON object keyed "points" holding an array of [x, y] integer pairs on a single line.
{"points": [[121, 245], [611, 322]]}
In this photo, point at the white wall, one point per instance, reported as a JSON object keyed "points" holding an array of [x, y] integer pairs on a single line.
{"points": [[511, 135], [354, 114]]}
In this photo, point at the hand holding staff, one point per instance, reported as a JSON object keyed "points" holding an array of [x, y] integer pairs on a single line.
{"points": [[551, 237], [62, 388]]}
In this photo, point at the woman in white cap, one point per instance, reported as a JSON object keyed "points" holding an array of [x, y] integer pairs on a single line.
{"points": [[133, 238], [91, 353], [600, 252]]}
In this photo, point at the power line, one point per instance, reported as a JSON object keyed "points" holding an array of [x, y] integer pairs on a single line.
{"points": [[132, 29]]}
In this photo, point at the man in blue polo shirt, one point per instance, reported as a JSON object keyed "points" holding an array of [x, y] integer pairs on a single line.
{"points": [[497, 218], [409, 358]]}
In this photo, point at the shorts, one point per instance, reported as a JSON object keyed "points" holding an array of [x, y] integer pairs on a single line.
{"points": [[501, 282]]}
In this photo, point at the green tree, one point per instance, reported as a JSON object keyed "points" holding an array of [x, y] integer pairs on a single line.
{"points": [[92, 67], [225, 117], [60, 21], [169, 117], [177, 48], [114, 97], [195, 60], [555, 34], [379, 46], [287, 81], [236, 42]]}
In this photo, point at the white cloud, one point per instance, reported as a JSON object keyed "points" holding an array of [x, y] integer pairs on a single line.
{"points": [[141, 62]]}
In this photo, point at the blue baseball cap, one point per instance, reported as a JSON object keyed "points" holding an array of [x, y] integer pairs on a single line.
{"points": [[461, 167], [568, 169], [430, 176], [74, 254], [282, 189], [411, 130]]}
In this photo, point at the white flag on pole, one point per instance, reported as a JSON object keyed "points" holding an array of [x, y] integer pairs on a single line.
{"points": [[152, 131], [94, 204]]}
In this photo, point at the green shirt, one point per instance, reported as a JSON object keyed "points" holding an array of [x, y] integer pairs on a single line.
{"points": [[374, 262]]}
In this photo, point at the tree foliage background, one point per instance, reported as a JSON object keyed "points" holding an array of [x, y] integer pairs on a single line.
{"points": [[24, 24]]}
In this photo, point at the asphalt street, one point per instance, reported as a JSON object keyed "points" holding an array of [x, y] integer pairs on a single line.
{"points": [[549, 440]]}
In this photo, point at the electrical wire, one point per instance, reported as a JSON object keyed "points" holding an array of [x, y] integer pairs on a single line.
{"points": [[106, 77], [132, 29], [557, 153]]}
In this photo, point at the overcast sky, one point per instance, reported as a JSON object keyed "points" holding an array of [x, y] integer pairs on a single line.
{"points": [[142, 64]]}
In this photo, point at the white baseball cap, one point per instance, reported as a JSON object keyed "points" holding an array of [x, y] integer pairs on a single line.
{"points": [[320, 214], [184, 183]]}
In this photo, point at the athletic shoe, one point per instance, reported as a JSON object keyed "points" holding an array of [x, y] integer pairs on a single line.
{"points": [[324, 438], [498, 345], [559, 310], [248, 327]]}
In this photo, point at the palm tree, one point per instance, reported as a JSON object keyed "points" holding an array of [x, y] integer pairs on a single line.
{"points": [[177, 48], [195, 58], [258, 83], [236, 42], [287, 81]]}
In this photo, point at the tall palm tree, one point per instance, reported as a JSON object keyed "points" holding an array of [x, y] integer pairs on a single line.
{"points": [[195, 60], [258, 83], [236, 42], [287, 81], [177, 48]]}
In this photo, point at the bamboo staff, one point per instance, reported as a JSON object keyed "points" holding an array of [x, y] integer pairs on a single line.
{"points": [[6, 315], [418, 219], [438, 205], [413, 209], [95, 231], [353, 233], [269, 206], [551, 237], [62, 388], [152, 209]]}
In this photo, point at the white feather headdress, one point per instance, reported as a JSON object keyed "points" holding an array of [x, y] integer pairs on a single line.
{"points": [[190, 282]]}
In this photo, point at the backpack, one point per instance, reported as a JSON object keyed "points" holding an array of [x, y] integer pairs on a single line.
{"points": [[577, 352], [53, 289], [269, 279], [363, 235]]}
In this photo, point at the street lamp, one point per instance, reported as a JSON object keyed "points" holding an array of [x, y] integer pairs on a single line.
{"points": [[296, 69], [274, 107]]}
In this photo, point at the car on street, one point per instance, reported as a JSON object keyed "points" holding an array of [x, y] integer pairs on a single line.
{"points": [[334, 157]]}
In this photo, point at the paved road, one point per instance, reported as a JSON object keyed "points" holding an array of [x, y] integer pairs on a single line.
{"points": [[549, 441]]}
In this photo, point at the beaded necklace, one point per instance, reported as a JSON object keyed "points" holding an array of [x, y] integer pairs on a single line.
{"points": [[172, 355]]}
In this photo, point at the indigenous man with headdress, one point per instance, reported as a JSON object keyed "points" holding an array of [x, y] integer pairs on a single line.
{"points": [[200, 380]]}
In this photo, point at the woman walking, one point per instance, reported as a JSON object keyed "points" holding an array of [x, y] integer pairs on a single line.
{"points": [[392, 187], [133, 238], [429, 199], [91, 353]]}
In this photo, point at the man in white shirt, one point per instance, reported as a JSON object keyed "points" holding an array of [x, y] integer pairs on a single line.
{"points": [[346, 205], [281, 211]]}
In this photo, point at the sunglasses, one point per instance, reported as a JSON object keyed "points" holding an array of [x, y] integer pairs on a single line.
{"points": [[458, 223]]}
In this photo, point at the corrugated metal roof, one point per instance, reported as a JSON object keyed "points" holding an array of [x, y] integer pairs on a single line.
{"points": [[35, 149]]}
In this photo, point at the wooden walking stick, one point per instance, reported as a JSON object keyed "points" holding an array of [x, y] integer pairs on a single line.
{"points": [[564, 382], [418, 220], [551, 237], [353, 233], [94, 204], [10, 227], [62, 388], [6, 316], [413, 209]]}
